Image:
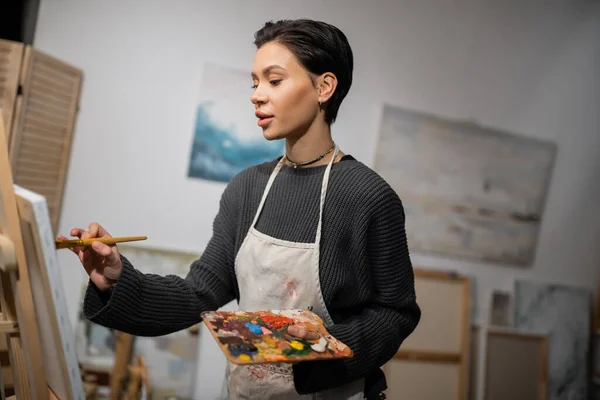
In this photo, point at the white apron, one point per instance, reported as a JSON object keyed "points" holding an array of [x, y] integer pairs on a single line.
{"points": [[279, 274]]}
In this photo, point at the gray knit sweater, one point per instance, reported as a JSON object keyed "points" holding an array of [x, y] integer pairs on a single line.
{"points": [[365, 268]]}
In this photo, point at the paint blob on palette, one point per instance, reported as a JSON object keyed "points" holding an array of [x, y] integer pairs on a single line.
{"points": [[258, 337]]}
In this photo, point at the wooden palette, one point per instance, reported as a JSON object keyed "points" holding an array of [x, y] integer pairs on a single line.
{"points": [[259, 337]]}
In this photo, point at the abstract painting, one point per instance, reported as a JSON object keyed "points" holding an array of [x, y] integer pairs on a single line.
{"points": [[563, 314], [227, 139], [468, 191]]}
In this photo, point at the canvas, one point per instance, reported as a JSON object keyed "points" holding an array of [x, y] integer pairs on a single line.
{"points": [[172, 361], [56, 334], [468, 191], [255, 337], [562, 313], [227, 139], [172, 358]]}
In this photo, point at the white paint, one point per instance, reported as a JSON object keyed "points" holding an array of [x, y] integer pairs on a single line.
{"points": [[528, 67]]}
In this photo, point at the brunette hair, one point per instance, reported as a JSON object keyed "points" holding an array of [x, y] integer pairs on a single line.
{"points": [[319, 47]]}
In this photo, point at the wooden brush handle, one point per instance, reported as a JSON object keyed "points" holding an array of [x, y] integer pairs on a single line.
{"points": [[63, 244]]}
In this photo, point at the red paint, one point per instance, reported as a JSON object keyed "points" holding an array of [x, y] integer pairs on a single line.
{"points": [[277, 322]]}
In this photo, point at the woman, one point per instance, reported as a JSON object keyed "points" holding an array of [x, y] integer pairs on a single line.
{"points": [[313, 229]]}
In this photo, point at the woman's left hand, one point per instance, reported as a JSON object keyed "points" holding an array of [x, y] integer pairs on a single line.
{"points": [[302, 333]]}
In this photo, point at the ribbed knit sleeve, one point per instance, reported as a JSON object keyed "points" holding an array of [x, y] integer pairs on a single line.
{"points": [[153, 305], [376, 332]]}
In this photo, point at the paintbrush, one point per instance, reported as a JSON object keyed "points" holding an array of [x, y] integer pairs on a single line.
{"points": [[64, 244]]}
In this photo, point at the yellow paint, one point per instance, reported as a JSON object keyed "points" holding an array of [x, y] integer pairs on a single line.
{"points": [[296, 345]]}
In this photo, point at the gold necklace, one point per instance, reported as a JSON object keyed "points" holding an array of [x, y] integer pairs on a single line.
{"points": [[301, 164]]}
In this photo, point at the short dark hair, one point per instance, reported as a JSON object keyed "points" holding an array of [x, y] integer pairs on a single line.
{"points": [[320, 47]]}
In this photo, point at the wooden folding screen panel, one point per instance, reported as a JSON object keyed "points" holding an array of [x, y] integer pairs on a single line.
{"points": [[433, 363], [11, 57], [516, 366], [42, 109]]}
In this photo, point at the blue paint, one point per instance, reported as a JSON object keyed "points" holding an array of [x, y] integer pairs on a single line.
{"points": [[254, 329], [235, 350], [238, 349]]}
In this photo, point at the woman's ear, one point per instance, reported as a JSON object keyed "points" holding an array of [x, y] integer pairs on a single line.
{"points": [[326, 85]]}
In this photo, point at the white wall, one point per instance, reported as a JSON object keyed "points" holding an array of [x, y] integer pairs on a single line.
{"points": [[526, 66]]}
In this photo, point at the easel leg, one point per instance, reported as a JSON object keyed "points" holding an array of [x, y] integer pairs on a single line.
{"points": [[13, 341], [123, 353], [2, 392]]}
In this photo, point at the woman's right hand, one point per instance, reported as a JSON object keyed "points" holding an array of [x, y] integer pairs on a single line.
{"points": [[102, 262]]}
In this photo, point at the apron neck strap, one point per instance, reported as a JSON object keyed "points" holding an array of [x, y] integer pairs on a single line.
{"points": [[324, 185]]}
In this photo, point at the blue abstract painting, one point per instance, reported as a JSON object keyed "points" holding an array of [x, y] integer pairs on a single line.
{"points": [[227, 139]]}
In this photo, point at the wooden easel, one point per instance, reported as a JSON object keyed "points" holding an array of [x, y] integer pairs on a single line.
{"points": [[18, 319], [37, 367], [138, 380]]}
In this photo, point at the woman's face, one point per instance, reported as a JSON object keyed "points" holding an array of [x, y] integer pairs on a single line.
{"points": [[285, 98]]}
